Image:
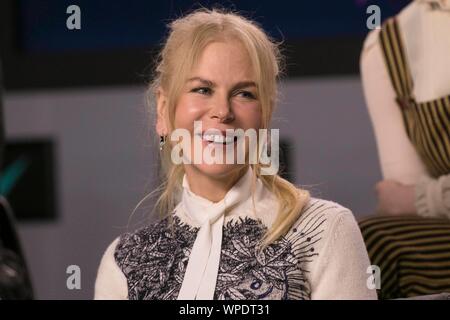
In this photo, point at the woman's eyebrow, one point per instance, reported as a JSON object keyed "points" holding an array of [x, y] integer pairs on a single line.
{"points": [[208, 83], [244, 84], [239, 85]]}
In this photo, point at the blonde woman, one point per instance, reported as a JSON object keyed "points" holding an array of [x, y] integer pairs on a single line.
{"points": [[229, 231]]}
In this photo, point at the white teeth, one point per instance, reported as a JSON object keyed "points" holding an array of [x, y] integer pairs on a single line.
{"points": [[216, 138]]}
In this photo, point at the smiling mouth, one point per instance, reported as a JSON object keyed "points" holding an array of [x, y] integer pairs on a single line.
{"points": [[218, 139]]}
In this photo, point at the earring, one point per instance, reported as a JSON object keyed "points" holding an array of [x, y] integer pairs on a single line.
{"points": [[162, 141]]}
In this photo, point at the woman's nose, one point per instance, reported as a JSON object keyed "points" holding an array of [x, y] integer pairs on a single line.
{"points": [[222, 110]]}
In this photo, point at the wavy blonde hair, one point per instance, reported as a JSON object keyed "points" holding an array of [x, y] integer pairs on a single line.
{"points": [[188, 36]]}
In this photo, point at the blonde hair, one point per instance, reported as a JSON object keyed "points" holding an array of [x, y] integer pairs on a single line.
{"points": [[188, 36]]}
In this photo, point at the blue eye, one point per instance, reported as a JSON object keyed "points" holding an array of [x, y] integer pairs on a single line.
{"points": [[246, 94], [202, 90]]}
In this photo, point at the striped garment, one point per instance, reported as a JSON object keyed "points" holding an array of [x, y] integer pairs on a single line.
{"points": [[413, 254], [427, 123]]}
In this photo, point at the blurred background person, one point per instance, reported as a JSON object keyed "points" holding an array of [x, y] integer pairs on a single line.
{"points": [[405, 69]]}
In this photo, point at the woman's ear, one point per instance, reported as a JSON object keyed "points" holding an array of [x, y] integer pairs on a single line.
{"points": [[161, 106]]}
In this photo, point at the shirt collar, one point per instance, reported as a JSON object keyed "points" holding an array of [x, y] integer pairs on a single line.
{"points": [[265, 201]]}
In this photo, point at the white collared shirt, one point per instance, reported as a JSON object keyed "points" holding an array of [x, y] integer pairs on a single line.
{"points": [[321, 257]]}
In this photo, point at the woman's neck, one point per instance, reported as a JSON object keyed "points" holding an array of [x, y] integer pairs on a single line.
{"points": [[213, 189]]}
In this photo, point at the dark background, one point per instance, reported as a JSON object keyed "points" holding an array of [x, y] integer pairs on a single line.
{"points": [[118, 39]]}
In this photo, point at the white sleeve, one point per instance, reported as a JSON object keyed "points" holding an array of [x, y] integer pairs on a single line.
{"points": [[433, 197], [398, 158], [111, 283], [341, 271]]}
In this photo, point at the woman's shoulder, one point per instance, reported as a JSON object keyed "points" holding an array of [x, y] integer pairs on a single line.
{"points": [[125, 255], [320, 223], [329, 245], [142, 234], [320, 209]]}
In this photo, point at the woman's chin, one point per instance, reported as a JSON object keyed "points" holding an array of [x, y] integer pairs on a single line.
{"points": [[218, 170]]}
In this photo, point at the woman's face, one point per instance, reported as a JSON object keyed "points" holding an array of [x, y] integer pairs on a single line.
{"points": [[220, 92]]}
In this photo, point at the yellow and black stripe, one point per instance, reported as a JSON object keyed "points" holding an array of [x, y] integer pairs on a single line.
{"points": [[427, 123], [413, 254]]}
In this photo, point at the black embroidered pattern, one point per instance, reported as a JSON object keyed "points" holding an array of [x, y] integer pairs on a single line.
{"points": [[154, 259], [248, 273]]}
